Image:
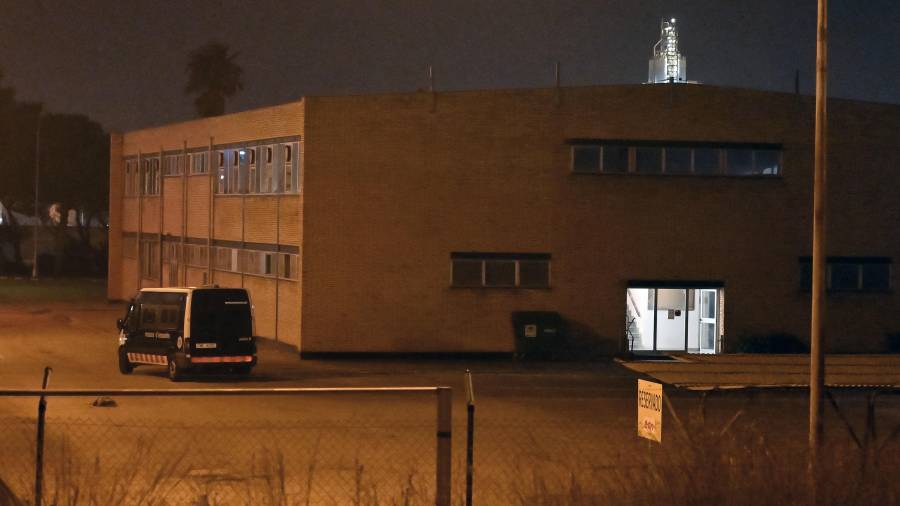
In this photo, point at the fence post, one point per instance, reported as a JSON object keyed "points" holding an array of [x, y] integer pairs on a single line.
{"points": [[39, 453], [470, 436], [444, 432]]}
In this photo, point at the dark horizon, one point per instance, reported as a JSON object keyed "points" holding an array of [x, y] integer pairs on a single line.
{"points": [[123, 64]]}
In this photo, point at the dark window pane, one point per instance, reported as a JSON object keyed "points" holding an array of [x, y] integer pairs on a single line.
{"points": [[806, 276], [648, 160], [844, 277], [615, 158], [739, 162], [586, 158], [768, 162], [220, 313], [876, 277], [706, 161], [534, 273], [500, 273], [467, 273], [678, 160]]}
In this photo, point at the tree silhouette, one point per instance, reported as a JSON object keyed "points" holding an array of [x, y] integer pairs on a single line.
{"points": [[213, 76]]}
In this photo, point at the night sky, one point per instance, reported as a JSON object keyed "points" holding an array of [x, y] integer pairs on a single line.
{"points": [[122, 62]]}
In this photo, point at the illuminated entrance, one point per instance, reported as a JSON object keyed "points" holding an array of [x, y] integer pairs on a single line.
{"points": [[674, 316]]}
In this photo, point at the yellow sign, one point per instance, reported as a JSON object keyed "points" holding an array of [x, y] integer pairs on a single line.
{"points": [[649, 412]]}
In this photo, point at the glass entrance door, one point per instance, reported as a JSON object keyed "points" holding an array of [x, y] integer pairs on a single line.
{"points": [[708, 321], [673, 318]]}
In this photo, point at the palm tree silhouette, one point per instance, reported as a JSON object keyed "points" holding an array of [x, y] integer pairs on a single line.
{"points": [[213, 76]]}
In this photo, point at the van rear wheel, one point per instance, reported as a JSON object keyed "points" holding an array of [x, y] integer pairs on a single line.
{"points": [[125, 366], [175, 371]]}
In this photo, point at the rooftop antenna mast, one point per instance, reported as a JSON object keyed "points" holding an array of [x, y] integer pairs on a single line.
{"points": [[667, 64]]}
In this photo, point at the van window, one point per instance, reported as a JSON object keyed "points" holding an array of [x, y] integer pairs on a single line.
{"points": [[220, 314], [161, 311]]}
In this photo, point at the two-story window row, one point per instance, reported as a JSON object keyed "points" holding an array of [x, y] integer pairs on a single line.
{"points": [[258, 167], [675, 158]]}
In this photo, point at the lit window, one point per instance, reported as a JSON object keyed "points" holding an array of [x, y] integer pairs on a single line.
{"points": [[767, 162]]}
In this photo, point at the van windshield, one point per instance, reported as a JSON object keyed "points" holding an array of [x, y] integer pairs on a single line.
{"points": [[220, 314]]}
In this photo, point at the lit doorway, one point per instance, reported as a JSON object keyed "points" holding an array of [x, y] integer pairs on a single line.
{"points": [[674, 316]]}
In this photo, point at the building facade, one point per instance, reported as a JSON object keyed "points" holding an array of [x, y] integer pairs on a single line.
{"points": [[652, 217]]}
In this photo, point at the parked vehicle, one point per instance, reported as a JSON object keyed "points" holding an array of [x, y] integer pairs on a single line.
{"points": [[188, 329]]}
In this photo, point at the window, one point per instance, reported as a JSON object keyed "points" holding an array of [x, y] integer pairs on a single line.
{"points": [[149, 259], [265, 185], [226, 259], [288, 266], [706, 161], [220, 174], [676, 158], [234, 173], [172, 252], [648, 160], [615, 159], [850, 274], [288, 169], [198, 163], [150, 176], [739, 162], [259, 263], [173, 165], [499, 273], [467, 272], [767, 162], [132, 178], [500, 270], [678, 161], [534, 273], [252, 176], [586, 158], [196, 255]]}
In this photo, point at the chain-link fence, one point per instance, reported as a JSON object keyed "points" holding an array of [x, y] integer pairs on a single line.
{"points": [[375, 448], [737, 447], [343, 447]]}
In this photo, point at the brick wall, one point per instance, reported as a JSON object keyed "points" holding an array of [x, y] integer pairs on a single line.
{"points": [[233, 217], [392, 188]]}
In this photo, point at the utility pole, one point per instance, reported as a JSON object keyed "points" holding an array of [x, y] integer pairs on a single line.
{"points": [[817, 327], [37, 178]]}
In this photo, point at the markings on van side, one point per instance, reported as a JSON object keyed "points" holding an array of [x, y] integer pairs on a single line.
{"points": [[147, 358]]}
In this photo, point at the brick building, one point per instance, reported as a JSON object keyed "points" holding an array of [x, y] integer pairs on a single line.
{"points": [[657, 217]]}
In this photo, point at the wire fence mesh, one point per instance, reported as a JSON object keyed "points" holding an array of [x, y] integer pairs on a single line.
{"points": [[186, 458], [369, 451]]}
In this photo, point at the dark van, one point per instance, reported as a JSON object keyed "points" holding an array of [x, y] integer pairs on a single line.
{"points": [[188, 329]]}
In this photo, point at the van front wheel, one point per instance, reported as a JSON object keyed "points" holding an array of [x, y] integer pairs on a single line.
{"points": [[125, 366], [175, 371]]}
